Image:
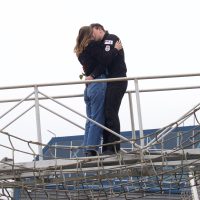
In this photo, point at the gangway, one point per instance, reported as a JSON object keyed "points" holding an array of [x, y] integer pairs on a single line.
{"points": [[145, 170]]}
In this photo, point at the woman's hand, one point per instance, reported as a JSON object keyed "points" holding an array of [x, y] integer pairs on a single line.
{"points": [[118, 45], [87, 78]]}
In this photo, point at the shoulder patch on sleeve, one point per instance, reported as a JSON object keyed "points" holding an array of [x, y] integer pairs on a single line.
{"points": [[107, 48], [108, 42]]}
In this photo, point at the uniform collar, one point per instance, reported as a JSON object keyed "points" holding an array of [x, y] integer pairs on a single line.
{"points": [[106, 34]]}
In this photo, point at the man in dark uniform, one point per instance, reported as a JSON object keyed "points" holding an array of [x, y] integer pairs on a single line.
{"points": [[116, 67], [89, 54]]}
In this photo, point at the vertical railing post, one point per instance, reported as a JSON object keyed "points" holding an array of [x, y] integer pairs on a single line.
{"points": [[132, 117], [139, 113], [38, 124], [55, 145], [195, 195]]}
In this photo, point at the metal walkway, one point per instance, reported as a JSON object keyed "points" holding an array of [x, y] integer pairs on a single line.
{"points": [[146, 170]]}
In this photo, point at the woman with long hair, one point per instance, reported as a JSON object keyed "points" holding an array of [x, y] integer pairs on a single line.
{"points": [[89, 55]]}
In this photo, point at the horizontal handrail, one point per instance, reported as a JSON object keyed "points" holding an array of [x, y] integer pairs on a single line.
{"points": [[99, 80], [128, 91]]}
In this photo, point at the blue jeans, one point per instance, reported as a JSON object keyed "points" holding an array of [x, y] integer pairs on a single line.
{"points": [[94, 96]]}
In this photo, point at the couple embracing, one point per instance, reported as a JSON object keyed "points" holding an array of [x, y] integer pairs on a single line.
{"points": [[102, 56]]}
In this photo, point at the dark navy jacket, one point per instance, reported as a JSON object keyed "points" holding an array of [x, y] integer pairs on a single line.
{"points": [[89, 60], [95, 60], [116, 66]]}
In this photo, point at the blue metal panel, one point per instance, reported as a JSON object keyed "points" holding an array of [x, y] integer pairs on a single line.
{"points": [[178, 135]]}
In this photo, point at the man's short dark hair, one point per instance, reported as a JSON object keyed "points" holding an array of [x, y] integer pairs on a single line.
{"points": [[97, 25]]}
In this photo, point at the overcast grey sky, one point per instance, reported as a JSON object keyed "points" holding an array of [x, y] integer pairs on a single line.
{"points": [[160, 37], [37, 37]]}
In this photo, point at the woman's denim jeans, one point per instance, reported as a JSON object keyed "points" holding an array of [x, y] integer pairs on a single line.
{"points": [[94, 96]]}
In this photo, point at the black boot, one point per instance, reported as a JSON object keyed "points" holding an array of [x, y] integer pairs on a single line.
{"points": [[90, 153], [108, 152]]}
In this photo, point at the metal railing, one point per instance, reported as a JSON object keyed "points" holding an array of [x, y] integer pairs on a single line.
{"points": [[36, 96]]}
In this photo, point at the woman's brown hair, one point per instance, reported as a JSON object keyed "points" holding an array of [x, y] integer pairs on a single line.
{"points": [[83, 39]]}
